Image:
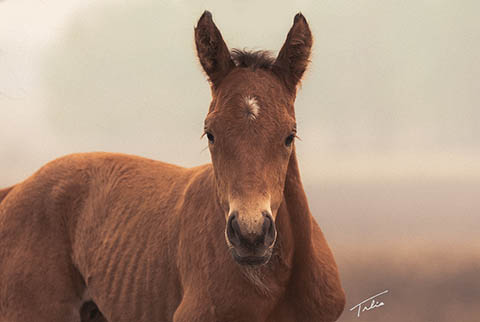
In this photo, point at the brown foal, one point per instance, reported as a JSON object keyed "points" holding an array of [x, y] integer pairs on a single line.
{"points": [[112, 237]]}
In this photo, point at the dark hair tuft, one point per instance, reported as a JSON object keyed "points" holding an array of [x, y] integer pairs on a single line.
{"points": [[261, 59]]}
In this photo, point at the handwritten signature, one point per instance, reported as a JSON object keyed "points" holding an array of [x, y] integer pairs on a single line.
{"points": [[362, 307]]}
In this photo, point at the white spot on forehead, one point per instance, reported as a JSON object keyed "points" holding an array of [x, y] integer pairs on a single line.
{"points": [[252, 107]]}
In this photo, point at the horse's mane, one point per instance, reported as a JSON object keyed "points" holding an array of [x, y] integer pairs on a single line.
{"points": [[260, 59]]}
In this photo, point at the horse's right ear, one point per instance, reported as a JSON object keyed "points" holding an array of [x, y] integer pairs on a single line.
{"points": [[212, 51]]}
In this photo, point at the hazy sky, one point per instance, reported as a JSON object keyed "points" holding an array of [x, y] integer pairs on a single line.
{"points": [[392, 93]]}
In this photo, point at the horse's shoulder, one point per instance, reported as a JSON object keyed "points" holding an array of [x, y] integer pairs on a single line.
{"points": [[330, 293]]}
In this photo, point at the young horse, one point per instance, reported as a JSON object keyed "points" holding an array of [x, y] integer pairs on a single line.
{"points": [[145, 240]]}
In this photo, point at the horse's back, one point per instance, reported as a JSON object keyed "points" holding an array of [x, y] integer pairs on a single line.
{"points": [[62, 189]]}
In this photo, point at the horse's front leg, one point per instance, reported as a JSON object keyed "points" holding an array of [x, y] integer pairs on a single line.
{"points": [[198, 307], [194, 308]]}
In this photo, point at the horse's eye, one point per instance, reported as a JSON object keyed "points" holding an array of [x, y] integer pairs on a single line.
{"points": [[289, 139], [210, 137]]}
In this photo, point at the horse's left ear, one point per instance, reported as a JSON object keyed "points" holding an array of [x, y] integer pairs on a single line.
{"points": [[294, 56], [212, 51]]}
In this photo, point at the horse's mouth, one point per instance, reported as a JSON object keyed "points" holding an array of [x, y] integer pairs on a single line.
{"points": [[251, 260]]}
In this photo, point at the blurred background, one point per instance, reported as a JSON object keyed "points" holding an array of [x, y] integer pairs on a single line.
{"points": [[388, 115]]}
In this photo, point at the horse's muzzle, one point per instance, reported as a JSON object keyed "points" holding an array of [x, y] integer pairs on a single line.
{"points": [[251, 248]]}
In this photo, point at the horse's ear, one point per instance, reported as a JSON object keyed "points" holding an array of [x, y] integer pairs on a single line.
{"points": [[212, 51], [293, 58]]}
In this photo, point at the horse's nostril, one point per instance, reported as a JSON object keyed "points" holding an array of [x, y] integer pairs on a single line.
{"points": [[268, 229], [233, 229], [267, 223]]}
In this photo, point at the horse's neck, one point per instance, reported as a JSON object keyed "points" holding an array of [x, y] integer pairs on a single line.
{"points": [[297, 207], [314, 277]]}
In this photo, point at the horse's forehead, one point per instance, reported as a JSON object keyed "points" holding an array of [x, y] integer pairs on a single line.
{"points": [[253, 98], [250, 108], [259, 83]]}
